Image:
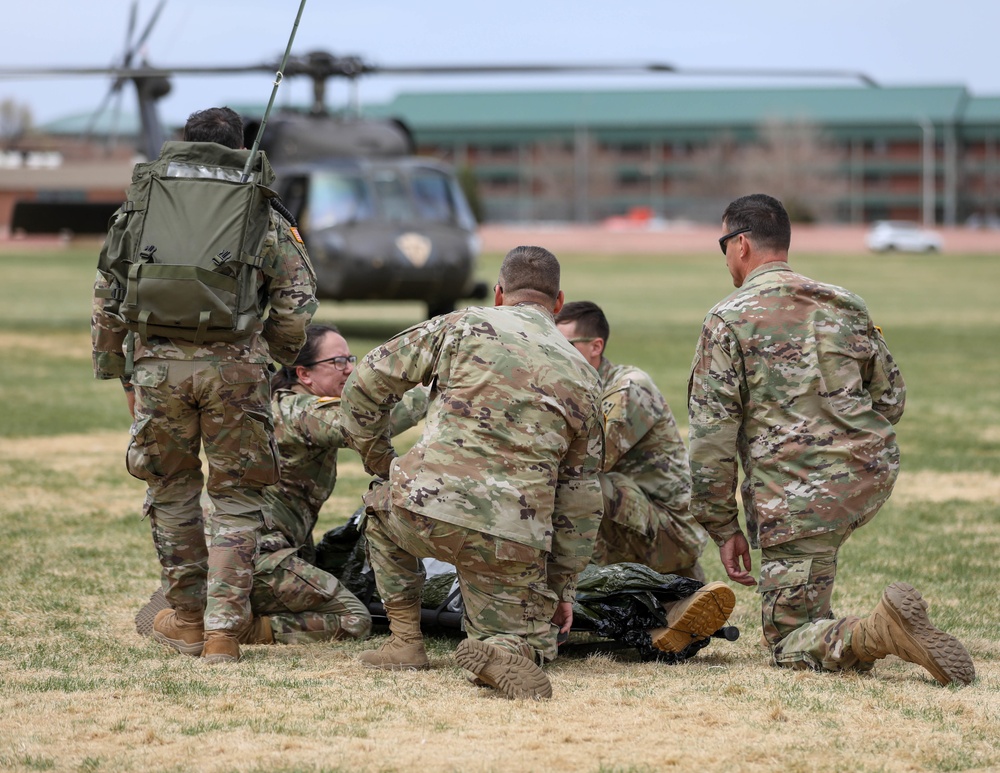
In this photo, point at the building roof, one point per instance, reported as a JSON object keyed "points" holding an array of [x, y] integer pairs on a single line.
{"points": [[982, 110], [677, 107], [104, 124]]}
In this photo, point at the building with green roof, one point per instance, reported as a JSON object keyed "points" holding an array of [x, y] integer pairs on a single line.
{"points": [[836, 154], [849, 154]]}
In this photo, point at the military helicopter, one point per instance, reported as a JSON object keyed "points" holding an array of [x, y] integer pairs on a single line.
{"points": [[380, 222]]}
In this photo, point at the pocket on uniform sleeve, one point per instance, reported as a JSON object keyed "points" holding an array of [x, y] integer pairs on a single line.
{"points": [[784, 607]]}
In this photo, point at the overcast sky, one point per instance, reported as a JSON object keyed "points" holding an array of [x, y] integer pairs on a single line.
{"points": [[897, 42]]}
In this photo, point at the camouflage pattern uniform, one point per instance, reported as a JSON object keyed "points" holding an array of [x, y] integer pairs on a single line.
{"points": [[793, 376], [502, 483], [646, 479], [217, 394], [303, 602]]}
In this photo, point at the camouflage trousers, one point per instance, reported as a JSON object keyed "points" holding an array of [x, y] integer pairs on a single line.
{"points": [[507, 599], [304, 603], [180, 405], [796, 586], [636, 530]]}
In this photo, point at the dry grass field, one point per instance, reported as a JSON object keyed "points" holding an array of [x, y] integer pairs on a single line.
{"points": [[81, 691]]}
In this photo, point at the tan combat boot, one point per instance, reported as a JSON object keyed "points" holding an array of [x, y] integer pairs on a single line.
{"points": [[899, 626], [258, 632], [404, 649], [695, 618], [184, 631], [221, 647], [516, 676]]}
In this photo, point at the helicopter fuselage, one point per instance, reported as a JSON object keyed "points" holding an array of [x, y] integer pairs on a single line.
{"points": [[389, 229]]}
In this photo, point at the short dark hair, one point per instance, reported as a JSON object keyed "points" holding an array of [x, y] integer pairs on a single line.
{"points": [[587, 318], [766, 218], [286, 376], [533, 269], [216, 124]]}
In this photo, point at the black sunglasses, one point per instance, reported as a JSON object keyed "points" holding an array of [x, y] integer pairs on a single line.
{"points": [[728, 236], [340, 363]]}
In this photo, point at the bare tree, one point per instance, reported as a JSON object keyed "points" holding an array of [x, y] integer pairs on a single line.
{"points": [[15, 122], [793, 161], [796, 163]]}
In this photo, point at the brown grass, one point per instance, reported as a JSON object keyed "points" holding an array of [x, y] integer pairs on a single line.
{"points": [[130, 705]]}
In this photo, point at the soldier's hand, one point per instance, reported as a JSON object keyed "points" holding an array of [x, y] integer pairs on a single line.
{"points": [[731, 552], [563, 616]]}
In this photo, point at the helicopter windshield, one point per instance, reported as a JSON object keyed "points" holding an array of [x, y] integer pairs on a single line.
{"points": [[416, 194], [337, 197]]}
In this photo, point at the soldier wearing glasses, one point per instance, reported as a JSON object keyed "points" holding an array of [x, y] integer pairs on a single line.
{"points": [[294, 602], [792, 377]]}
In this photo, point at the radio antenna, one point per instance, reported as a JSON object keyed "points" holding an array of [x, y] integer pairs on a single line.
{"points": [[278, 76]]}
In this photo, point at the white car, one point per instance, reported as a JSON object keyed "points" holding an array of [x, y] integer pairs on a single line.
{"points": [[903, 236]]}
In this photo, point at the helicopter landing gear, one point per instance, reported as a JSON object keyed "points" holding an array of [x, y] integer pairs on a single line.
{"points": [[437, 308]]}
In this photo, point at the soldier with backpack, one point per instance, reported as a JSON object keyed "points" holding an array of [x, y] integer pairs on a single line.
{"points": [[201, 284]]}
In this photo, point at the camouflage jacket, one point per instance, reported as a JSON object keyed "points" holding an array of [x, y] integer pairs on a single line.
{"points": [[279, 336], [309, 432], [641, 439], [792, 375], [512, 441]]}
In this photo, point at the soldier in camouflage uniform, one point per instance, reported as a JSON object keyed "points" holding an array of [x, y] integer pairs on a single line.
{"points": [[502, 482], [217, 394], [791, 375], [293, 601], [646, 477]]}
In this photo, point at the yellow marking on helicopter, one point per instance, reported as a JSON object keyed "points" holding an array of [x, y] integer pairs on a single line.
{"points": [[415, 247]]}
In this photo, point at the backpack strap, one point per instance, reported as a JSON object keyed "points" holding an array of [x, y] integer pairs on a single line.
{"points": [[268, 266], [144, 325], [114, 291], [203, 319]]}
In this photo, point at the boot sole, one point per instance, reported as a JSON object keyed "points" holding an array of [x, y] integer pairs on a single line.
{"points": [[144, 617], [940, 653], [513, 675], [393, 666], [213, 659], [706, 611], [183, 647]]}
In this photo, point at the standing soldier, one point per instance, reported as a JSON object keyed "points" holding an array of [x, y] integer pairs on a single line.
{"points": [[502, 483], [216, 393], [792, 376]]}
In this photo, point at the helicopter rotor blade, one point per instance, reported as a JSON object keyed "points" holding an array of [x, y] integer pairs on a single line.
{"points": [[351, 67]]}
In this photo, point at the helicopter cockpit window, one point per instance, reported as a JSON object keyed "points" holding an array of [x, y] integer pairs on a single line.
{"points": [[338, 197], [433, 196], [391, 191]]}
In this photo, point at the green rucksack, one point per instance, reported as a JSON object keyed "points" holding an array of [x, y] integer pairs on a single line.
{"points": [[183, 253]]}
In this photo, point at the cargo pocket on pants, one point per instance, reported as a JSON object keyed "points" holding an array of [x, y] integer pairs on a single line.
{"points": [[783, 586], [259, 451], [142, 459]]}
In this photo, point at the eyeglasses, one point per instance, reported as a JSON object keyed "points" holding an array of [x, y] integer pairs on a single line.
{"points": [[340, 363], [581, 340], [728, 236]]}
